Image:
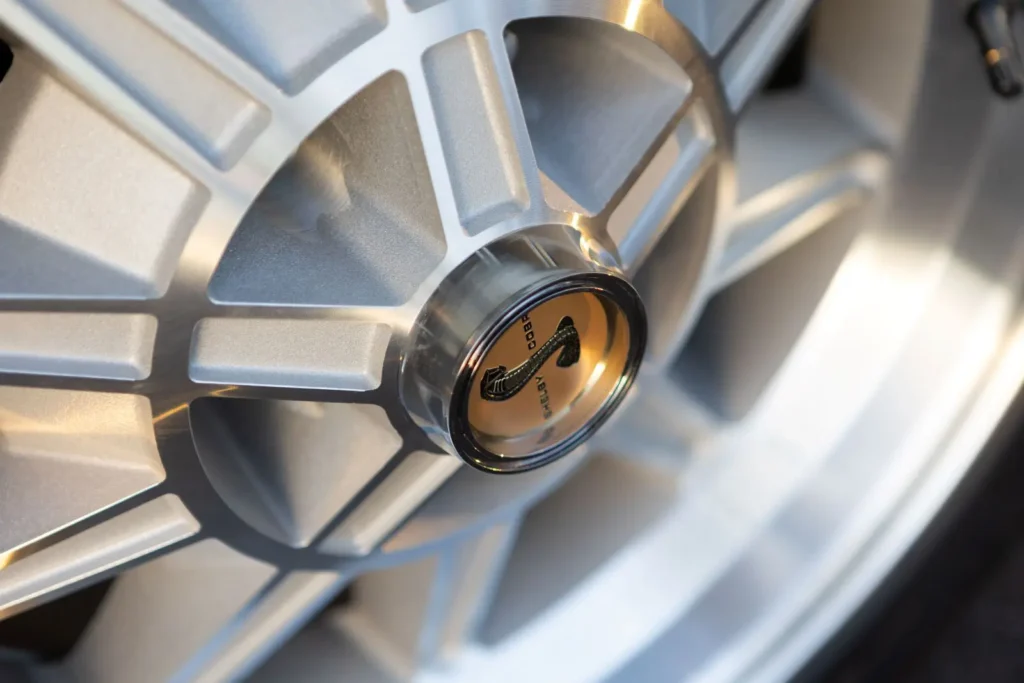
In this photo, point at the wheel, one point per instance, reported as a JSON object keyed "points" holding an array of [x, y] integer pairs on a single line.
{"points": [[479, 340]]}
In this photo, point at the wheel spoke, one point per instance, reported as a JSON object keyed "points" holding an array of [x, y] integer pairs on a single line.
{"points": [[91, 550], [813, 203], [279, 613], [793, 180], [99, 446], [473, 570], [289, 468], [651, 153], [469, 102], [291, 354], [659, 187], [598, 103], [660, 426], [254, 43], [195, 593], [417, 476], [102, 346], [753, 51], [163, 93], [187, 32]]}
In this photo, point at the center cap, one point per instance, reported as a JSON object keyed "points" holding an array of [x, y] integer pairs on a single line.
{"points": [[551, 339], [548, 373]]}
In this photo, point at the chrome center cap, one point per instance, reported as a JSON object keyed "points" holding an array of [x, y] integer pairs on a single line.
{"points": [[525, 351]]}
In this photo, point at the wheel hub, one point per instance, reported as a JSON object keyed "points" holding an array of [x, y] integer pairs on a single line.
{"points": [[525, 350]]}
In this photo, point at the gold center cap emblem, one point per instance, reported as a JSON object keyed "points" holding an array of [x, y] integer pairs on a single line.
{"points": [[548, 373], [545, 375], [524, 350]]}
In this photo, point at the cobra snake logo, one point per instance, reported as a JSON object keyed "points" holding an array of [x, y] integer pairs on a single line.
{"points": [[501, 384]]}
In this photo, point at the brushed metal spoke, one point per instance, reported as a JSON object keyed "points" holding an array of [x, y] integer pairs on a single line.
{"points": [[77, 305], [274, 619], [828, 166], [189, 35], [196, 593], [112, 72], [661, 188], [765, 33], [642, 164], [93, 384], [760, 233], [130, 532], [475, 135]]}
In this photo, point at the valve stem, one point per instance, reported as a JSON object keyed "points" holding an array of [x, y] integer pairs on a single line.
{"points": [[992, 24]]}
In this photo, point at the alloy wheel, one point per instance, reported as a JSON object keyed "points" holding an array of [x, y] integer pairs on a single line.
{"points": [[256, 259]]}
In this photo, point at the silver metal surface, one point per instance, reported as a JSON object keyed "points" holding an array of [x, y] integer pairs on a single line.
{"points": [[225, 227]]}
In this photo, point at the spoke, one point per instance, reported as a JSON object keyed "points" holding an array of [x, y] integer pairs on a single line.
{"points": [[660, 426], [158, 619], [174, 21], [93, 550], [481, 131], [164, 94], [330, 355], [793, 179], [67, 456], [70, 230], [100, 385], [660, 188], [264, 35], [599, 104], [469, 582], [652, 152], [418, 615], [752, 52], [572, 534], [106, 346], [74, 305], [281, 612], [412, 482], [813, 203], [295, 353], [289, 468]]}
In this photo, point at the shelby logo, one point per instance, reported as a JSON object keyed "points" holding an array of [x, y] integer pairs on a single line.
{"points": [[501, 384]]}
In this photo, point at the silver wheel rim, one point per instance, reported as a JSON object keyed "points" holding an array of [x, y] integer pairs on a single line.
{"points": [[783, 444]]}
